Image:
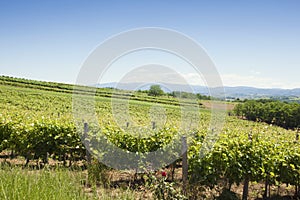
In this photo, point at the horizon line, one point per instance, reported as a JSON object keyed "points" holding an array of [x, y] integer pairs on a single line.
{"points": [[198, 85]]}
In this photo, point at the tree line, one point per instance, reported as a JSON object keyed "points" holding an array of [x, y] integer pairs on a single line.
{"points": [[284, 114], [156, 90]]}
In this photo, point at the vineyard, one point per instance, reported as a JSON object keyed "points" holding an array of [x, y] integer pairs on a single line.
{"points": [[37, 124]]}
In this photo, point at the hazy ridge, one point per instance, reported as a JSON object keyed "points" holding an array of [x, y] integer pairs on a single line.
{"points": [[230, 92]]}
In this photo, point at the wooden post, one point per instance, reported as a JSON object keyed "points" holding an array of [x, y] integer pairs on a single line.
{"points": [[265, 195], [246, 189], [184, 164], [153, 125], [88, 155], [246, 182]]}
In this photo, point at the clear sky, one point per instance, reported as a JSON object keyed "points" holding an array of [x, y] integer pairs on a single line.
{"points": [[253, 43]]}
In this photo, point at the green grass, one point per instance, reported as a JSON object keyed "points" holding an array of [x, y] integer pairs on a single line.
{"points": [[61, 184], [16, 183]]}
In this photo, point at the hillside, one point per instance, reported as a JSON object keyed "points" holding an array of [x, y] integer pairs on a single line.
{"points": [[37, 124], [92, 91]]}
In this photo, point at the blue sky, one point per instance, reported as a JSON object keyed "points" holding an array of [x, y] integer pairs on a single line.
{"points": [[253, 43]]}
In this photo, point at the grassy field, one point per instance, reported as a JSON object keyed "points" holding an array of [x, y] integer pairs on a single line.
{"points": [[18, 183]]}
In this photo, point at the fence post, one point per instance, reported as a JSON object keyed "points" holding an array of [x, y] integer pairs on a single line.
{"points": [[184, 164], [153, 125], [88, 155], [246, 182], [245, 189]]}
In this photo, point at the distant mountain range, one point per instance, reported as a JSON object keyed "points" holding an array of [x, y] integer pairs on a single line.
{"points": [[241, 92]]}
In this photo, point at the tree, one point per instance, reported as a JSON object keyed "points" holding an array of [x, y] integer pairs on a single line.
{"points": [[155, 90]]}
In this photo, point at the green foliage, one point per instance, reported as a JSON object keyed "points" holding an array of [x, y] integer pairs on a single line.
{"points": [[37, 122], [184, 95], [155, 90], [246, 149], [279, 113], [188, 95], [65, 89], [162, 189], [98, 173], [227, 195]]}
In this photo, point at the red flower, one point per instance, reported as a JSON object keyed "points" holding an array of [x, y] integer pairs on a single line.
{"points": [[163, 173]]}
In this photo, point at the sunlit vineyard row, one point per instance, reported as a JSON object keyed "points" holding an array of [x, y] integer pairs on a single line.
{"points": [[39, 124]]}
